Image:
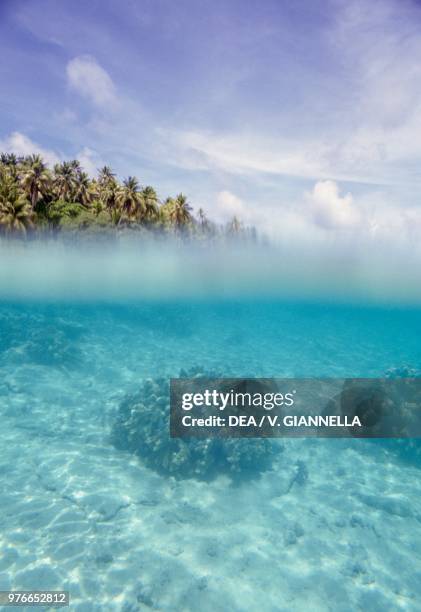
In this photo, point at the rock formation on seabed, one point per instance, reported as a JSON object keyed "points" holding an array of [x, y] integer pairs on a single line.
{"points": [[142, 427]]}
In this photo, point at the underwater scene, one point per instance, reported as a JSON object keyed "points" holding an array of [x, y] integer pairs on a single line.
{"points": [[96, 502], [200, 199]]}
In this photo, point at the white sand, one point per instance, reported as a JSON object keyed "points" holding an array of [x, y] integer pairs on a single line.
{"points": [[78, 515]]}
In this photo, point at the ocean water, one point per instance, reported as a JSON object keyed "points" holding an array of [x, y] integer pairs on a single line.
{"points": [[333, 525]]}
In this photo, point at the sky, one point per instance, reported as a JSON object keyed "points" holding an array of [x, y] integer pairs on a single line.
{"points": [[301, 117]]}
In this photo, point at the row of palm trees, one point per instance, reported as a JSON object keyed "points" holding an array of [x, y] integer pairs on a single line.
{"points": [[35, 198]]}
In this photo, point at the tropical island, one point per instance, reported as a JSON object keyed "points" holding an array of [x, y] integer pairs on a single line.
{"points": [[36, 200]]}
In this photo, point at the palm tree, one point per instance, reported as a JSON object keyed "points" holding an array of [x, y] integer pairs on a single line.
{"points": [[150, 203], [203, 220], [12, 163], [109, 196], [75, 166], [83, 189], [129, 197], [15, 211], [9, 159], [181, 212], [167, 207], [164, 213], [64, 181], [206, 227], [234, 227], [61, 196], [107, 187], [105, 175], [116, 215], [35, 180]]}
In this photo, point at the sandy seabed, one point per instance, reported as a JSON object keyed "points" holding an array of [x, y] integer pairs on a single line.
{"points": [[334, 525]]}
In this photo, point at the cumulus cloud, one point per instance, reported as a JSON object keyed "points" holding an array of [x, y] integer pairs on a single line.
{"points": [[322, 211], [20, 144], [327, 217], [90, 80], [229, 205], [90, 160], [331, 210]]}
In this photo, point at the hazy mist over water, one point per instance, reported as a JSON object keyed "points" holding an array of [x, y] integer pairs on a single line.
{"points": [[166, 270]]}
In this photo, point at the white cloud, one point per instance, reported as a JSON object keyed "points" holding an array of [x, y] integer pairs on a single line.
{"points": [[89, 79], [90, 161], [20, 144], [325, 219], [362, 157], [331, 210], [229, 205], [361, 124], [379, 47], [243, 153]]}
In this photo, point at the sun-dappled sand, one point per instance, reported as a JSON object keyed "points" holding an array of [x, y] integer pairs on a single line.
{"points": [[331, 520]]}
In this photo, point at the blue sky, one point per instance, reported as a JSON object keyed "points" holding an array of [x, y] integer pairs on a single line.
{"points": [[300, 116]]}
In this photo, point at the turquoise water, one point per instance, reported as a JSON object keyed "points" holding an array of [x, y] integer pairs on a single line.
{"points": [[333, 525]]}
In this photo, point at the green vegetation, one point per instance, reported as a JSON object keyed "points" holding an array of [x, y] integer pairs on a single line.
{"points": [[35, 199]]}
